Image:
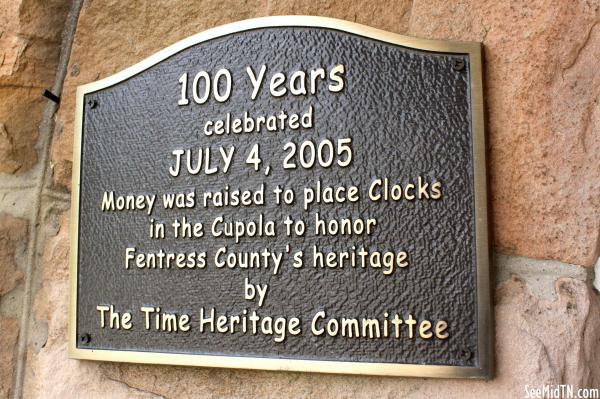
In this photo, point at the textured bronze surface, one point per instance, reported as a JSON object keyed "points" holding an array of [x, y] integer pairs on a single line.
{"points": [[409, 113]]}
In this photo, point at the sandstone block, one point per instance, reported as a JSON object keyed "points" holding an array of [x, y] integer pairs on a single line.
{"points": [[30, 35], [541, 89], [20, 113], [13, 241], [9, 333]]}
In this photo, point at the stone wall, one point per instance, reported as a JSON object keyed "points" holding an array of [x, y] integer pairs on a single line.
{"points": [[30, 49], [542, 93]]}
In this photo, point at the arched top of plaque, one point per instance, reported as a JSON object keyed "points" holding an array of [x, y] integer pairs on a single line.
{"points": [[473, 49]]}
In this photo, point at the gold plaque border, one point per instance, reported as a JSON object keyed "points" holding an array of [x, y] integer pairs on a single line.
{"points": [[484, 313]]}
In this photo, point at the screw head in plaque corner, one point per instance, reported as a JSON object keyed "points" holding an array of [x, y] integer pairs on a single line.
{"points": [[85, 339], [458, 64], [465, 354]]}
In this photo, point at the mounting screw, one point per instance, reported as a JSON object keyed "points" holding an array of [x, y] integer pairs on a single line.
{"points": [[85, 339], [92, 103], [465, 354], [458, 64]]}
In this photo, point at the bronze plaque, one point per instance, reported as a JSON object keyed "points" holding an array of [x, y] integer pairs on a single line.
{"points": [[285, 193]]}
